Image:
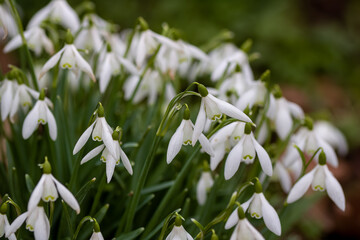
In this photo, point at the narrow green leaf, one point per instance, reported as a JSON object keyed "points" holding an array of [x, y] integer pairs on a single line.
{"points": [[157, 187], [29, 183], [130, 235], [81, 194]]}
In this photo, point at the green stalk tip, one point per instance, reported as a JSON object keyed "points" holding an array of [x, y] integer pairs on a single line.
{"points": [[96, 226], [46, 166]]}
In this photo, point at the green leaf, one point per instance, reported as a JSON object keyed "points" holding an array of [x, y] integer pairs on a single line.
{"points": [[29, 183], [130, 235], [80, 196], [157, 187]]}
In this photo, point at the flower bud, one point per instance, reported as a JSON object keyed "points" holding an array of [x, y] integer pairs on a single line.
{"points": [[214, 236], [143, 24], [202, 90], [246, 46]]}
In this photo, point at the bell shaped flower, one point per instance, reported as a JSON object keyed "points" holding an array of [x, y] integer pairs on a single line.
{"points": [[245, 151], [36, 221], [320, 179], [4, 222], [178, 232], [213, 108], [183, 136], [283, 176], [36, 40], [57, 11], [90, 38], [224, 140], [7, 22], [7, 91], [40, 114], [255, 94], [108, 158], [204, 185], [331, 135], [109, 65], [96, 232], [69, 58], [282, 114], [243, 229], [258, 207], [48, 189], [100, 130]]}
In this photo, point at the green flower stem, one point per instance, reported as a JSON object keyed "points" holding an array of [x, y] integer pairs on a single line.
{"points": [[87, 218], [25, 46], [98, 194]]}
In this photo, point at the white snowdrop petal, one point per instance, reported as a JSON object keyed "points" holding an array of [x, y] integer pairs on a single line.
{"points": [[295, 110], [301, 186], [233, 160], [15, 105], [110, 167], [82, 64], [83, 138], [67, 196], [229, 109], [232, 220], [246, 100], [51, 62], [218, 156], [16, 224], [42, 226], [36, 193], [270, 216], [200, 123], [107, 138], [205, 144], [6, 101], [52, 124], [331, 157], [285, 179], [105, 74], [175, 143], [14, 43], [283, 123], [92, 153], [254, 231], [334, 189], [125, 160], [263, 156]]}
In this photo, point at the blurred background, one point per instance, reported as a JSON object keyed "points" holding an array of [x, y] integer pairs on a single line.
{"points": [[312, 48]]}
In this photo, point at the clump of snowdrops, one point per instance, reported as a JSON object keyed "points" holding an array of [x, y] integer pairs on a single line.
{"points": [[142, 135]]}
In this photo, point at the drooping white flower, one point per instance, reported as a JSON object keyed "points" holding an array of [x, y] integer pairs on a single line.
{"points": [[331, 135], [178, 232], [57, 11], [36, 40], [245, 151], [204, 185], [96, 236], [40, 114], [282, 174], [90, 38], [48, 189], [108, 158], [7, 22], [183, 136], [213, 108], [243, 229], [7, 91], [69, 58], [233, 87], [258, 207], [255, 94], [36, 221], [320, 179], [4, 222], [101, 131], [109, 65]]}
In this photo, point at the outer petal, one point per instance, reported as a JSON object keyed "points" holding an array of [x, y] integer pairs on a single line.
{"points": [[200, 123], [233, 160], [83, 138], [42, 226], [218, 156], [82, 64], [52, 124], [331, 157], [6, 100], [67, 196], [270, 216], [247, 99], [283, 122], [110, 167], [285, 179], [175, 143], [232, 220], [105, 74], [301, 186], [16, 224], [230, 110], [13, 44], [36, 194], [263, 156], [107, 138], [255, 232], [205, 144], [51, 62], [334, 189], [125, 161], [92, 153], [15, 105]]}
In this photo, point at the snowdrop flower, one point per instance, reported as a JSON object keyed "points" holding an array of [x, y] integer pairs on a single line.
{"points": [[255, 94], [89, 38], [7, 22], [243, 229], [48, 189], [36, 221], [109, 64], [213, 108], [246, 150], [320, 179], [7, 90], [204, 185], [96, 232], [331, 135], [233, 87], [4, 222], [183, 136], [36, 40], [40, 114], [282, 174], [108, 158], [58, 11], [101, 131], [223, 141], [178, 232], [69, 58], [258, 207]]}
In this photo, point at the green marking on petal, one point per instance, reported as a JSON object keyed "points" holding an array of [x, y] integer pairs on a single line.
{"points": [[215, 117], [255, 215], [49, 198], [42, 121], [237, 138], [66, 65], [29, 227], [117, 162], [97, 138], [187, 142], [26, 104], [319, 188], [248, 157], [103, 159]]}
